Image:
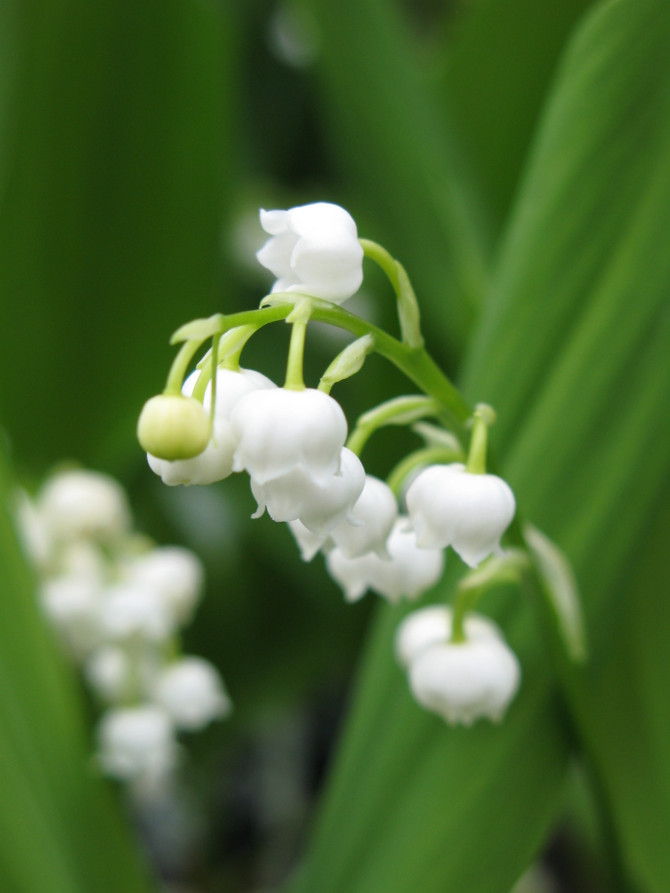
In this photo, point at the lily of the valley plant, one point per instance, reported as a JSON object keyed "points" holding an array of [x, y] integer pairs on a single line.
{"points": [[305, 468]]}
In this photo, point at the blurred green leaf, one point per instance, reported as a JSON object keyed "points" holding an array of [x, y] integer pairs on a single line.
{"points": [[59, 827], [573, 355], [116, 134], [495, 70]]}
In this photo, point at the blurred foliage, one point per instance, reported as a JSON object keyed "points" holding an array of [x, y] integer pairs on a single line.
{"points": [[516, 157]]}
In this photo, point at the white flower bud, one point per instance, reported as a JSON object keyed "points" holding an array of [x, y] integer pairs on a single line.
{"points": [[309, 543], [173, 427], [279, 430], [314, 250], [449, 506], [319, 505], [371, 521], [108, 672], [431, 626], [84, 504], [173, 572], [466, 681], [192, 692], [73, 606], [216, 461], [137, 743], [407, 572], [131, 610]]}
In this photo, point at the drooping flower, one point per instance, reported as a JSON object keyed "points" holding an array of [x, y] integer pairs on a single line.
{"points": [[466, 681], [130, 610], [309, 543], [172, 571], [137, 743], [406, 573], [449, 506], [280, 430], [84, 505], [371, 521], [319, 505], [460, 681], [314, 250], [173, 427], [191, 691]]}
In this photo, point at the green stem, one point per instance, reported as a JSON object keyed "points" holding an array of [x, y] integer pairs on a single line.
{"points": [[408, 306], [477, 454], [398, 411], [466, 599], [415, 363], [179, 366], [296, 353]]}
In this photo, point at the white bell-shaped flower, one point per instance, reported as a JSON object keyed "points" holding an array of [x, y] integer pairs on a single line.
{"points": [[431, 626], [33, 532], [314, 250], [133, 611], [73, 606], [109, 673], [137, 743], [406, 573], [191, 691], [466, 681], [280, 430], [371, 520], [216, 462], [449, 506], [320, 506], [173, 572], [84, 504]]}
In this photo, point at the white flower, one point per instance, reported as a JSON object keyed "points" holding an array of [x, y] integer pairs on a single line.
{"points": [[84, 504], [449, 506], [371, 521], [309, 543], [320, 506], [407, 572], [430, 626], [133, 611], [33, 532], [191, 691], [73, 606], [174, 573], [216, 461], [137, 743], [466, 681], [314, 250], [279, 430], [108, 672]]}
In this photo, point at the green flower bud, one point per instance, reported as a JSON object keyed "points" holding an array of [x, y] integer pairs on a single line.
{"points": [[173, 427]]}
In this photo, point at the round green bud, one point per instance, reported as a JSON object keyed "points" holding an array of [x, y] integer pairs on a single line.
{"points": [[173, 427]]}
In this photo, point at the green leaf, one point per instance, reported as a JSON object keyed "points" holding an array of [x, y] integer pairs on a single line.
{"points": [[115, 142], [572, 352], [199, 329], [51, 797]]}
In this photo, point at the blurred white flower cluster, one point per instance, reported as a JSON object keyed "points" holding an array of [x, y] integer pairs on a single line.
{"points": [[291, 441], [117, 604]]}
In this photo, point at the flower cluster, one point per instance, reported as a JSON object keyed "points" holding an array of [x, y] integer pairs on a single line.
{"points": [[118, 604], [292, 443]]}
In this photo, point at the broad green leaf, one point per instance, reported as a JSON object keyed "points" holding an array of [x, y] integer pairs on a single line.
{"points": [[573, 355], [403, 154], [59, 827], [115, 141], [494, 72]]}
